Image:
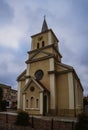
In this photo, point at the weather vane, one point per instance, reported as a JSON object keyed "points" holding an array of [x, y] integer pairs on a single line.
{"points": [[44, 16]]}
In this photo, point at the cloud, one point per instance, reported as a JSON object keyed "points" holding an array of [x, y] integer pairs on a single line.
{"points": [[12, 63], [10, 34], [6, 13], [20, 19]]}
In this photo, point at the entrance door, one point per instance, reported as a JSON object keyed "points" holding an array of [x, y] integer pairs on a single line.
{"points": [[45, 105]]}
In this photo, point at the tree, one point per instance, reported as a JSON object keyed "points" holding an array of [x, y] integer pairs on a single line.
{"points": [[85, 101], [1, 97], [3, 105], [82, 123], [1, 94], [22, 118]]}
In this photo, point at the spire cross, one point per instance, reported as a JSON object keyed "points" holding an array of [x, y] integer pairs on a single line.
{"points": [[44, 16]]}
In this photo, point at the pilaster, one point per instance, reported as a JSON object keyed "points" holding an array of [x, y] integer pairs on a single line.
{"points": [[71, 91], [19, 95], [24, 101], [41, 103], [49, 38], [52, 88]]}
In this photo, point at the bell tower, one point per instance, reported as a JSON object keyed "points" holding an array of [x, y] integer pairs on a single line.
{"points": [[45, 39]]}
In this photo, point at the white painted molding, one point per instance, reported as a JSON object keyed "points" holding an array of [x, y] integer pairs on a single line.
{"points": [[52, 86], [49, 38], [71, 91], [41, 103], [24, 102], [19, 93], [28, 70]]}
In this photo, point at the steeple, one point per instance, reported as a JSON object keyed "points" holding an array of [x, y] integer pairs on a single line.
{"points": [[44, 26]]}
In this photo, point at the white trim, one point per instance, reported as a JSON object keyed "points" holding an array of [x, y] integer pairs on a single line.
{"points": [[71, 91], [24, 102], [51, 60], [28, 70], [49, 38], [38, 85], [41, 103], [29, 80], [19, 94], [52, 86], [25, 87], [52, 91]]}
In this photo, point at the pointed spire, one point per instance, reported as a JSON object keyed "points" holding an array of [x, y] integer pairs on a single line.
{"points": [[44, 26]]}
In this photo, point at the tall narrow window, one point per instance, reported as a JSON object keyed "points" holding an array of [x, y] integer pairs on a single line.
{"points": [[37, 45], [31, 102], [43, 43], [27, 103], [37, 103]]}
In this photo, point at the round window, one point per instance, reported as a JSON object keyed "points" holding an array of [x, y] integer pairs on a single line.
{"points": [[39, 74], [32, 88]]}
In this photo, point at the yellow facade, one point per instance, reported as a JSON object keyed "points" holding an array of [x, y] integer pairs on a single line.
{"points": [[47, 86]]}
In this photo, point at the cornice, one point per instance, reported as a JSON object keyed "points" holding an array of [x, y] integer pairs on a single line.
{"points": [[39, 59]]}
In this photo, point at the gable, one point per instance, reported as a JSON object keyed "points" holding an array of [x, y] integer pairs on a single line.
{"points": [[35, 83], [39, 54], [33, 89]]}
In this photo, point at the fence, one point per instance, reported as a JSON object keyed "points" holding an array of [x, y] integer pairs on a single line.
{"points": [[36, 123]]}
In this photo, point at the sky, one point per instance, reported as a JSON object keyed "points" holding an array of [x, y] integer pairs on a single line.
{"points": [[19, 19]]}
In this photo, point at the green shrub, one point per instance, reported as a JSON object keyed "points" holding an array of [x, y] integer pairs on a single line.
{"points": [[82, 122], [22, 118]]}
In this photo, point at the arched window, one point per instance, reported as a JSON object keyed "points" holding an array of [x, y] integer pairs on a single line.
{"points": [[37, 103], [31, 102], [43, 43], [37, 45], [27, 103]]}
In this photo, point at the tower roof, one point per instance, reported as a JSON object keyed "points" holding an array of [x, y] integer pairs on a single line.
{"points": [[44, 26]]}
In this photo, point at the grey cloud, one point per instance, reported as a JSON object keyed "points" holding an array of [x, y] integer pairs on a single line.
{"points": [[68, 19], [3, 67], [7, 79], [6, 13]]}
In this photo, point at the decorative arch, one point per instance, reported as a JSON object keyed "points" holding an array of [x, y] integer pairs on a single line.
{"points": [[32, 102]]}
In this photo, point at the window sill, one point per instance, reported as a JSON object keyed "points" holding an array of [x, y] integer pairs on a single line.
{"points": [[32, 109]]}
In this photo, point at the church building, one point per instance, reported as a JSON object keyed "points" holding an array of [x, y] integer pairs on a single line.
{"points": [[47, 86]]}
